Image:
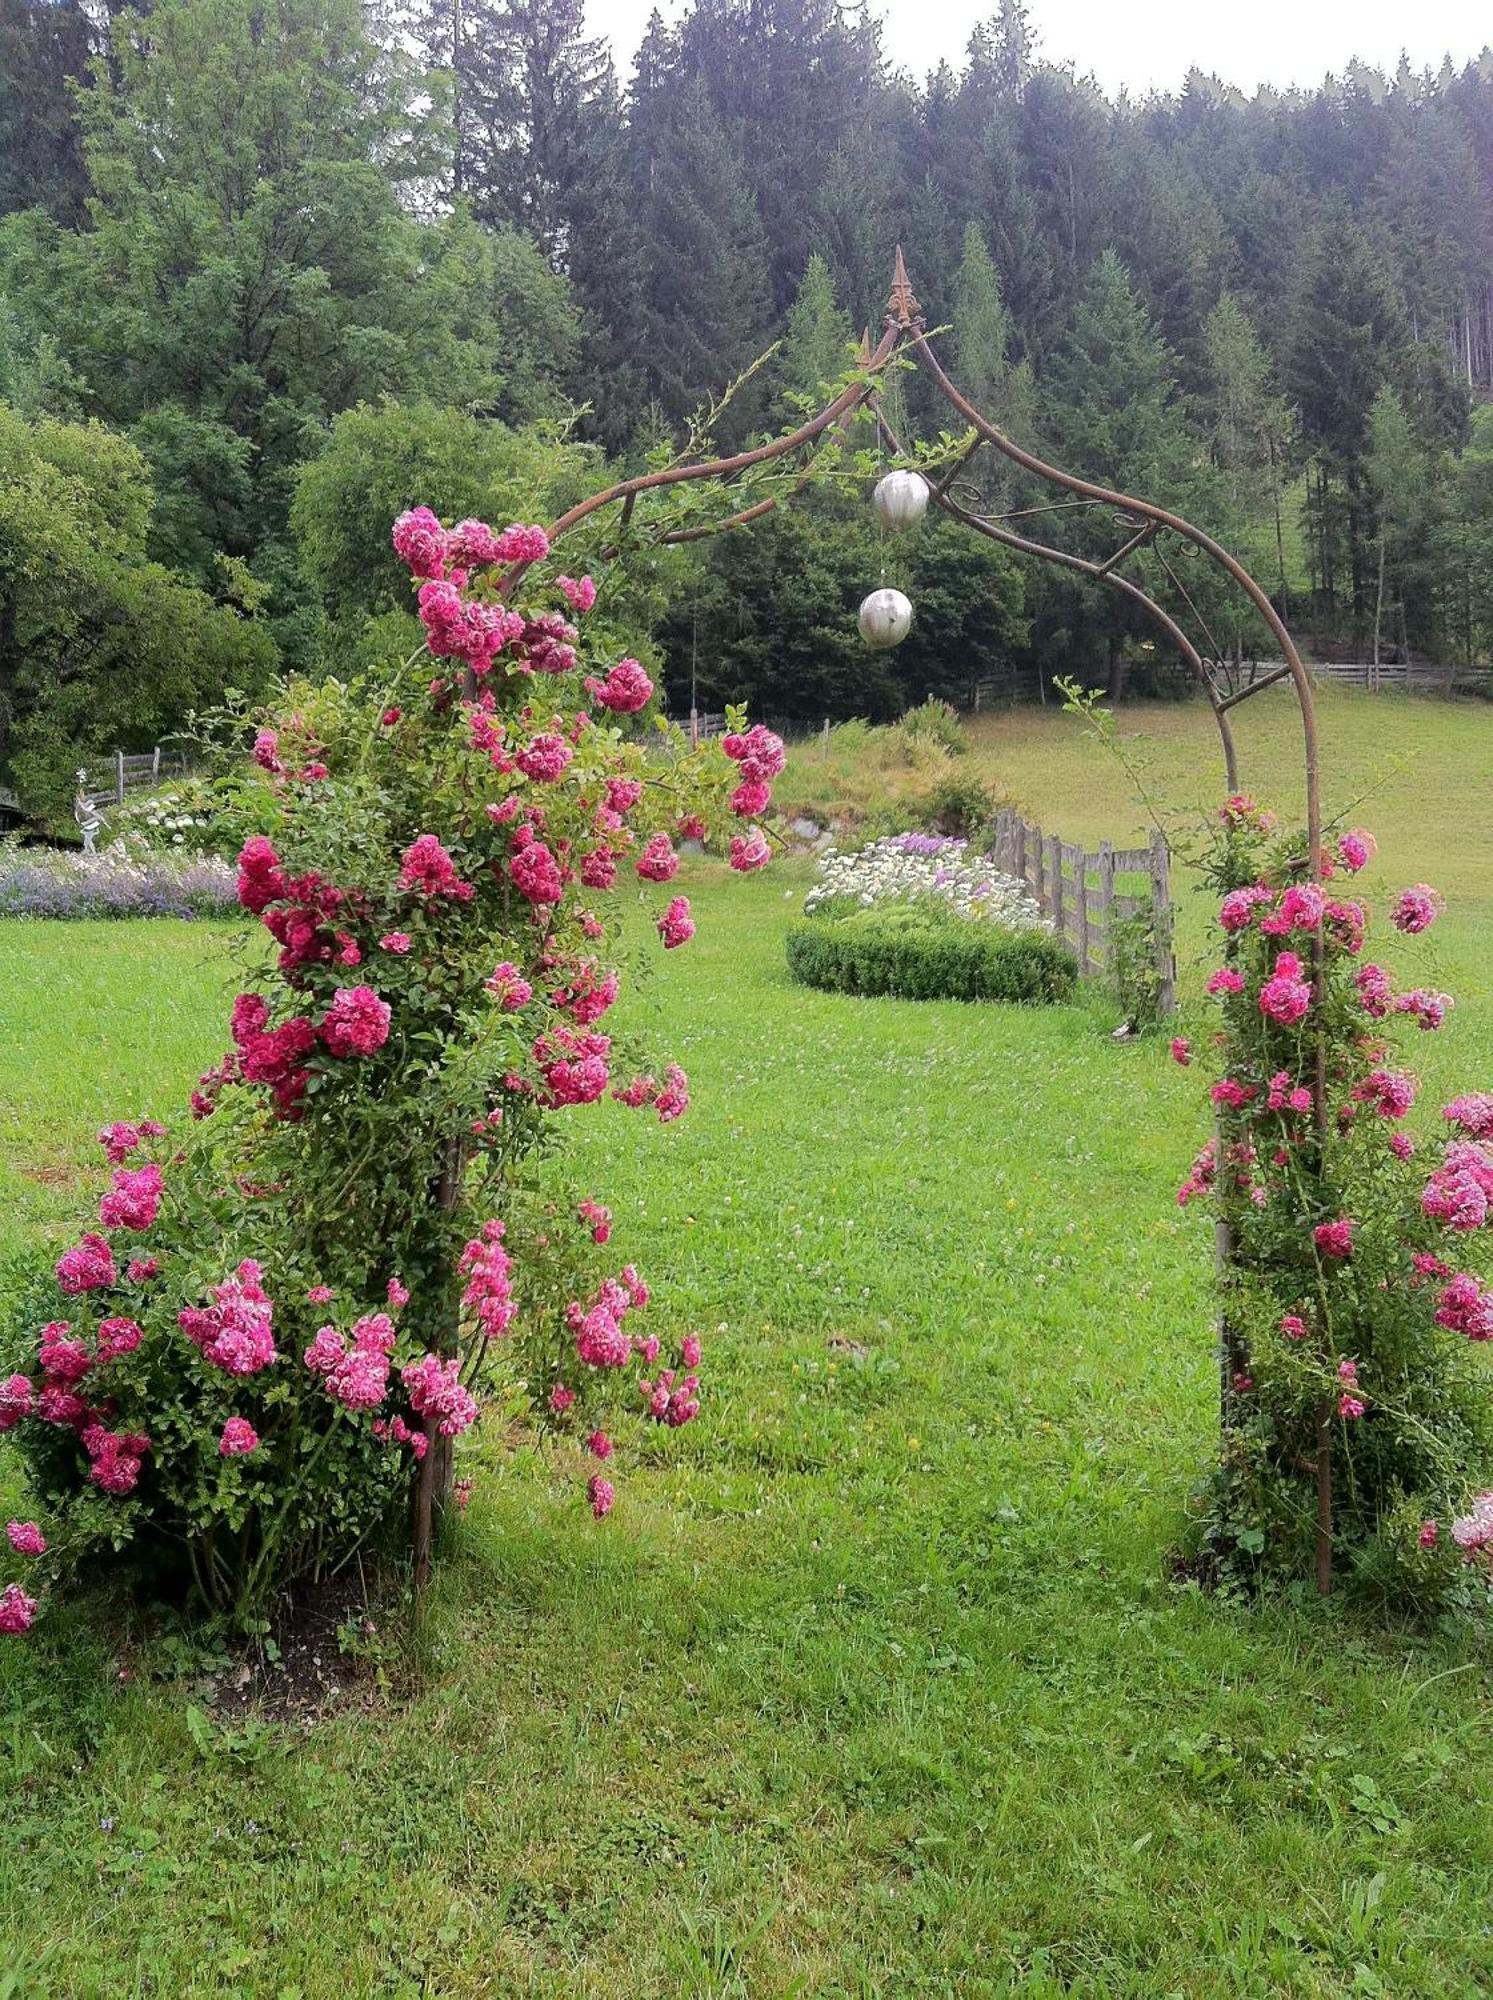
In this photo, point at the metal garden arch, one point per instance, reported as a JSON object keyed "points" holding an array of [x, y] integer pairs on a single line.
{"points": [[1140, 524]]}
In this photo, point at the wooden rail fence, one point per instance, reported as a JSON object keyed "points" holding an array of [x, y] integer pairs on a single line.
{"points": [[1078, 892], [128, 771]]}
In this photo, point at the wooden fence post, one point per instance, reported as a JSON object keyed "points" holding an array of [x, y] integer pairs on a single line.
{"points": [[1055, 874], [1081, 891], [155, 765], [825, 739], [119, 777], [1018, 849], [1161, 926], [1107, 901]]}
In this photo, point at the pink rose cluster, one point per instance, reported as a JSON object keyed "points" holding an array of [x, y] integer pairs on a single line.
{"points": [[1473, 1532], [88, 1267], [1241, 813], [508, 987], [1460, 1191], [597, 1218], [1416, 909], [1464, 1307], [461, 628], [1286, 996], [133, 1198], [574, 1067], [1350, 1405], [234, 1333], [17, 1610], [534, 871], [356, 1023], [488, 1271], [124, 1137], [436, 1393], [672, 1399], [676, 926], [429, 550], [601, 1339], [625, 689], [1335, 1239], [354, 1368], [670, 1099], [1472, 1113], [426, 869], [760, 757], [604, 1342], [115, 1457]]}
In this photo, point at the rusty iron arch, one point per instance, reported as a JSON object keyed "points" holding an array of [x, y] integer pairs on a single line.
{"points": [[1141, 524]]}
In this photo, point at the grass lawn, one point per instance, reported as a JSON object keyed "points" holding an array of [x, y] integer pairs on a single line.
{"points": [[875, 1682]]}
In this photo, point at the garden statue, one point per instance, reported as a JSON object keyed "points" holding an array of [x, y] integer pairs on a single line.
{"points": [[87, 812]]}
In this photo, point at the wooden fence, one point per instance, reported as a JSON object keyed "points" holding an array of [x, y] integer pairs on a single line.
{"points": [[1078, 892], [131, 772]]}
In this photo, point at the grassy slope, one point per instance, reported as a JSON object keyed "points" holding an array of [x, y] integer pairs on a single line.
{"points": [[874, 1683]]}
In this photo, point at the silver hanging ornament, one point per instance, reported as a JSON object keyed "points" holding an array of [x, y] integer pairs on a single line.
{"points": [[885, 618], [900, 500]]}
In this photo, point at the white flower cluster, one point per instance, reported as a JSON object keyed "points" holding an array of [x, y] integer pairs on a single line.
{"points": [[917, 864], [163, 821]]}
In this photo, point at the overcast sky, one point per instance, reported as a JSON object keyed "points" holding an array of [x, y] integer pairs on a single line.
{"points": [[1144, 44]]}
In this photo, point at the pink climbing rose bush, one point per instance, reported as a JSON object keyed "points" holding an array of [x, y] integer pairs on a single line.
{"points": [[289, 1308], [1358, 1216]]}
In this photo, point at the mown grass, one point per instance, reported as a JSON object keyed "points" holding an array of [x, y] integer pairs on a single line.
{"points": [[876, 1681]]}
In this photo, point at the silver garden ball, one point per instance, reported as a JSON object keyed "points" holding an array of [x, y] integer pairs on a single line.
{"points": [[885, 618], [900, 500]]}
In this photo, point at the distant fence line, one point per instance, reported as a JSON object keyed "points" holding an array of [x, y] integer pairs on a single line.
{"points": [[1077, 893], [132, 771]]}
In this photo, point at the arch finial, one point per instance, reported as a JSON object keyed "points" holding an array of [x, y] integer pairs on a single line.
{"points": [[902, 308]]}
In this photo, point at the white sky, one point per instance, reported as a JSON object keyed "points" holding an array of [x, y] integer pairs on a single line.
{"points": [[1143, 44]]}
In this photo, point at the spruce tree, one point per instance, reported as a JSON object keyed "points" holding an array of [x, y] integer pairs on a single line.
{"points": [[1113, 413], [707, 294], [1250, 432], [817, 339], [45, 50], [526, 83], [982, 340], [1347, 336], [1398, 470]]}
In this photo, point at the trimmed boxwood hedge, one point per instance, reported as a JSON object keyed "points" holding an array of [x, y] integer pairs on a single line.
{"points": [[914, 953]]}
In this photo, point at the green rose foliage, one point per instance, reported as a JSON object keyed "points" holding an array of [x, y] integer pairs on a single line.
{"points": [[1353, 1308], [289, 1307]]}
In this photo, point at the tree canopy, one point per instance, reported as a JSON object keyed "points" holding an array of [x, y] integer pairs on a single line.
{"points": [[246, 235]]}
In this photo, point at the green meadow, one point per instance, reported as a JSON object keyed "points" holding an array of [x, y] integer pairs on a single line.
{"points": [[878, 1680]]}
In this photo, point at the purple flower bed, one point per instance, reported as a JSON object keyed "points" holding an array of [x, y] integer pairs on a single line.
{"points": [[930, 844], [38, 883]]}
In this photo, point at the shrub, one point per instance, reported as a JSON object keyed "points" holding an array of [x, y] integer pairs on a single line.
{"points": [[1133, 974], [259, 1354], [183, 816], [963, 805], [932, 725], [1356, 1291], [853, 736], [885, 820], [917, 951]]}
